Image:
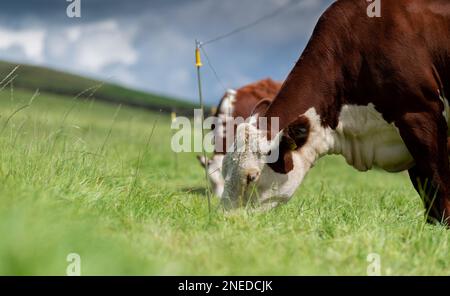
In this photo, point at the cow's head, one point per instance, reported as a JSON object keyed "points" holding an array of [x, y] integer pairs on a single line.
{"points": [[214, 169], [251, 179]]}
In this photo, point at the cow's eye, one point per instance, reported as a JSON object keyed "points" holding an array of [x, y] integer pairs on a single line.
{"points": [[303, 131], [297, 135]]}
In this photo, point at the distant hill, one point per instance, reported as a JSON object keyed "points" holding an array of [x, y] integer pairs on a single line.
{"points": [[57, 82]]}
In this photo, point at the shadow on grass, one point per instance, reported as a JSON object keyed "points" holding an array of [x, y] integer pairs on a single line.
{"points": [[199, 190]]}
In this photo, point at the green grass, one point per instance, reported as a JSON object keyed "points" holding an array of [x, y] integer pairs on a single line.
{"points": [[52, 81], [75, 177]]}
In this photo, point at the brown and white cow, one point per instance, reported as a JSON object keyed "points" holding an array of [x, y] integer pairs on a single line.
{"points": [[370, 89], [234, 104]]}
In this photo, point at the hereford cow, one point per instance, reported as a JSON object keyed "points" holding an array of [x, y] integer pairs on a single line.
{"points": [[370, 89], [234, 104]]}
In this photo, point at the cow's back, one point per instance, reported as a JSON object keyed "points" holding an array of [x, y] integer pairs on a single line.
{"points": [[355, 59]]}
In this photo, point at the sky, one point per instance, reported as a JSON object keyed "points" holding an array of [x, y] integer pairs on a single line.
{"points": [[149, 45]]}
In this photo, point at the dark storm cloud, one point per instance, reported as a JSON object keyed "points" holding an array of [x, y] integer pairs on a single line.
{"points": [[149, 44], [54, 10]]}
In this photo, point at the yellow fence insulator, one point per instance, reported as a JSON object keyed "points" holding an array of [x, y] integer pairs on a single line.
{"points": [[198, 59]]}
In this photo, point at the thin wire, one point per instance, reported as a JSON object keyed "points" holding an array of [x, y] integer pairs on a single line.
{"points": [[254, 23], [213, 69], [238, 30]]}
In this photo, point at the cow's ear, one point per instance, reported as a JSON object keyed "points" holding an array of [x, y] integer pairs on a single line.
{"points": [[261, 107], [293, 138]]}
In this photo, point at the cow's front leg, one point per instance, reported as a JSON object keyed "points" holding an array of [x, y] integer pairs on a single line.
{"points": [[427, 191], [425, 135]]}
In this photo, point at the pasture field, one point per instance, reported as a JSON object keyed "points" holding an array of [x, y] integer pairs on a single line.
{"points": [[57, 82], [89, 178]]}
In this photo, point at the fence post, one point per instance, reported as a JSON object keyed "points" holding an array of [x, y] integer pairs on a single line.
{"points": [[198, 65]]}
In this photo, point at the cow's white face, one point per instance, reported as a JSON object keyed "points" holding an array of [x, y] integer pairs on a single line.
{"points": [[250, 180], [242, 168], [214, 168]]}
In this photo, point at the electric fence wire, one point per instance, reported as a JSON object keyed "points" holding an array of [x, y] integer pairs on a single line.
{"points": [[237, 30], [253, 23]]}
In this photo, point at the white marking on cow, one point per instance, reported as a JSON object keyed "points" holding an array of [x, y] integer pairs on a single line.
{"points": [[226, 112], [362, 136], [215, 174], [278, 188], [214, 168], [366, 140]]}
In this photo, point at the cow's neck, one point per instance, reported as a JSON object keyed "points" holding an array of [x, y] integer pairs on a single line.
{"points": [[304, 89], [317, 80], [314, 88]]}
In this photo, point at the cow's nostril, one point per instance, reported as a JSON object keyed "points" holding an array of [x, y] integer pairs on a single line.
{"points": [[252, 177]]}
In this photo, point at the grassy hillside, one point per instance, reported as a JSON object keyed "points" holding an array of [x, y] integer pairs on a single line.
{"points": [[56, 82], [88, 178]]}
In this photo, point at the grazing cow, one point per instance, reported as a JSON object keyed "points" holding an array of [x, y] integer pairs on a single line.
{"points": [[234, 104], [370, 89]]}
